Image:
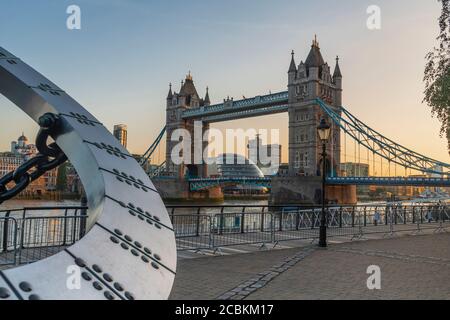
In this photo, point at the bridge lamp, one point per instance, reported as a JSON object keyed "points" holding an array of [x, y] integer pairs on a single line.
{"points": [[323, 130]]}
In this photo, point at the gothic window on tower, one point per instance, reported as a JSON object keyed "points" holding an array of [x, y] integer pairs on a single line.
{"points": [[297, 160]]}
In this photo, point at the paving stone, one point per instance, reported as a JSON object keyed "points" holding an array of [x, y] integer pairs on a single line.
{"points": [[413, 267]]}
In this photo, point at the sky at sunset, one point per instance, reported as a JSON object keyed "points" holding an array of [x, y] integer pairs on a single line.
{"points": [[120, 63]]}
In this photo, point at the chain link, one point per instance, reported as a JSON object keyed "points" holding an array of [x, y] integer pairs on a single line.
{"points": [[49, 157]]}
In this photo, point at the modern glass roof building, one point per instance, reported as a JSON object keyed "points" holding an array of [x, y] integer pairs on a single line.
{"points": [[234, 165]]}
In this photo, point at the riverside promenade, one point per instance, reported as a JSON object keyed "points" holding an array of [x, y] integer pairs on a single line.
{"points": [[412, 267]]}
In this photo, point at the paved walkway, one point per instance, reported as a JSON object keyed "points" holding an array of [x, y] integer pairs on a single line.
{"points": [[412, 267]]}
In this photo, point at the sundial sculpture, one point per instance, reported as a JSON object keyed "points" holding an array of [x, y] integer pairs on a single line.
{"points": [[129, 251]]}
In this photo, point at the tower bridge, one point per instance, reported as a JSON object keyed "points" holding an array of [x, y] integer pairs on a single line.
{"points": [[314, 91]]}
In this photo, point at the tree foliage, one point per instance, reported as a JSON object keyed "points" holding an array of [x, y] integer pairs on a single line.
{"points": [[437, 74]]}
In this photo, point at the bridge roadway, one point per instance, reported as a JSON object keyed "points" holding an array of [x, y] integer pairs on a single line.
{"points": [[204, 183], [230, 109]]}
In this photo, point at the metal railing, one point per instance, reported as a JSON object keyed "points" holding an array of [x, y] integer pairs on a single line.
{"points": [[248, 225], [31, 234], [8, 241], [34, 233]]}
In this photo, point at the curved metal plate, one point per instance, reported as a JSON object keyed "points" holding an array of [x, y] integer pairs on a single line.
{"points": [[130, 250]]}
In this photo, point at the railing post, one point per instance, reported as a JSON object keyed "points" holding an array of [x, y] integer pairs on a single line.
{"points": [[65, 228], [395, 215], [441, 223], [262, 219], [211, 236], [5, 231], [281, 221], [243, 220], [340, 217], [221, 221], [404, 215], [353, 217], [421, 215], [83, 217], [22, 234], [365, 216], [297, 219], [413, 214], [197, 229], [272, 227]]}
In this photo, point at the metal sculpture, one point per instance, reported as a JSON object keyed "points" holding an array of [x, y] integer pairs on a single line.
{"points": [[129, 252]]}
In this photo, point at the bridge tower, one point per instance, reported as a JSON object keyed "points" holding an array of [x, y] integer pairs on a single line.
{"points": [[177, 103], [310, 80]]}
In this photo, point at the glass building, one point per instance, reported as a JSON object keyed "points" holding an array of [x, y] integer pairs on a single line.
{"points": [[232, 166]]}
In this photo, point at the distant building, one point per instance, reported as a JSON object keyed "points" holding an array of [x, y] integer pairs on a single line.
{"points": [[355, 169], [22, 148], [283, 171], [271, 152], [236, 166], [352, 169], [121, 134], [21, 151], [74, 184]]}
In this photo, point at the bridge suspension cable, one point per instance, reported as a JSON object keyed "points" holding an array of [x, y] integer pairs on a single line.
{"points": [[381, 145], [148, 154]]}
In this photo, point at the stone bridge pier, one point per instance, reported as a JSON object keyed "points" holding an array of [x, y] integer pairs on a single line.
{"points": [[308, 191]]}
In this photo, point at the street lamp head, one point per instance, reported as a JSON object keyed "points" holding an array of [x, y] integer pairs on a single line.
{"points": [[324, 130]]}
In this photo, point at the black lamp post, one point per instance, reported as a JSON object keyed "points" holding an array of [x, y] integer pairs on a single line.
{"points": [[323, 131]]}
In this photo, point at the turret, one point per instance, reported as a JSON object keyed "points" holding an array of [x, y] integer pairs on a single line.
{"points": [[292, 75], [207, 101], [169, 95], [337, 79], [292, 69]]}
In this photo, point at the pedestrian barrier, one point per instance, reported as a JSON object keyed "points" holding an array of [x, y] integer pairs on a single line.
{"points": [[25, 239]]}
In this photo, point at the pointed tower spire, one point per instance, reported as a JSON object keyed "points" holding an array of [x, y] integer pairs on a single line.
{"points": [[292, 66], [207, 96], [315, 43], [337, 70], [170, 94], [314, 58]]}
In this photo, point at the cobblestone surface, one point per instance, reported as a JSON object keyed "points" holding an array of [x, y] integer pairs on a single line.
{"points": [[412, 267], [209, 277], [263, 278]]}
